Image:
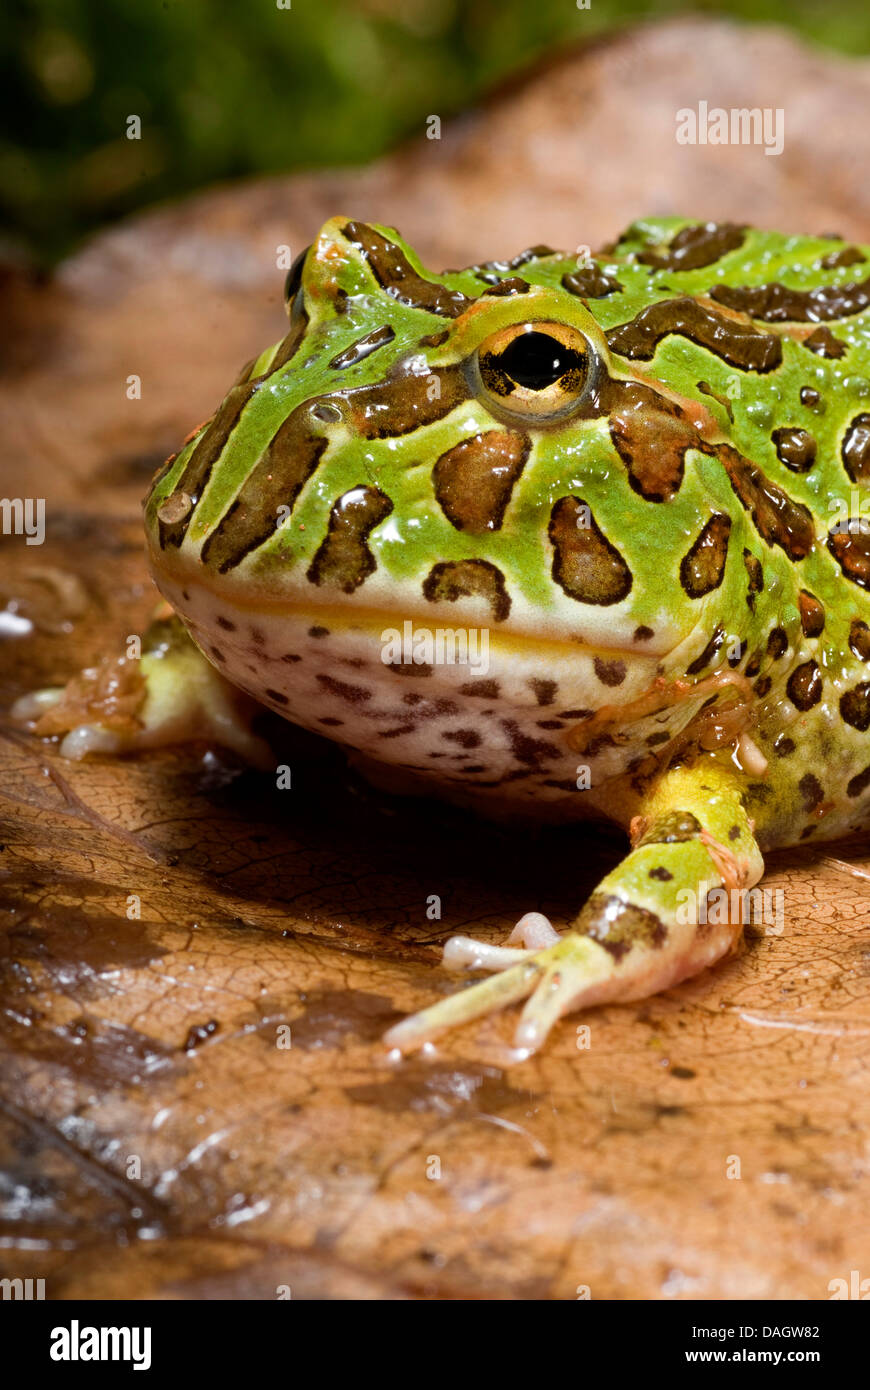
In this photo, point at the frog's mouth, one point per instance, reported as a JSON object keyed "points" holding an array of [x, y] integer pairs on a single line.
{"points": [[557, 671]]}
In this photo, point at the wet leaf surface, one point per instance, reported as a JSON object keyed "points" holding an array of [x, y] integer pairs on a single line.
{"points": [[155, 1138]]}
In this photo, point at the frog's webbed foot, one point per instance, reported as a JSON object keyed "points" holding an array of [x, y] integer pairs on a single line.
{"points": [[171, 694], [639, 932]]}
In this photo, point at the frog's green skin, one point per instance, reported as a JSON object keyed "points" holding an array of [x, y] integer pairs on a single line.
{"points": [[668, 534]]}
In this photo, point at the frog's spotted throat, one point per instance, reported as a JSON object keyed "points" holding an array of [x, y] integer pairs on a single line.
{"points": [[642, 476]]}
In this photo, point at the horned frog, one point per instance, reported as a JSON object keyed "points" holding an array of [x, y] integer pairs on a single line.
{"points": [[631, 486]]}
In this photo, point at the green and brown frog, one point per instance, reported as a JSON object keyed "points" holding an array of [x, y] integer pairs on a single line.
{"points": [[632, 485]]}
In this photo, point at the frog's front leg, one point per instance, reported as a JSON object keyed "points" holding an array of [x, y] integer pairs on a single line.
{"points": [[638, 933], [170, 694]]}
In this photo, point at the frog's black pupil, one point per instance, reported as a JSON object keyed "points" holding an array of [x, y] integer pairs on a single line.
{"points": [[294, 276], [536, 360]]}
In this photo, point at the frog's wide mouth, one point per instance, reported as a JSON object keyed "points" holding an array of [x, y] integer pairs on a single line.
{"points": [[424, 658]]}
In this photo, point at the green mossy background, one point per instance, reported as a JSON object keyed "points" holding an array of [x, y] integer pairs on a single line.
{"points": [[226, 90]]}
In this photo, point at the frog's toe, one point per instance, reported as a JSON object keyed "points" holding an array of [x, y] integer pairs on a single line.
{"points": [[558, 977], [500, 990], [533, 932], [464, 953], [569, 979]]}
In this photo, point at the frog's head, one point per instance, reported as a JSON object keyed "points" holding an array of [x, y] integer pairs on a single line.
{"points": [[524, 445]]}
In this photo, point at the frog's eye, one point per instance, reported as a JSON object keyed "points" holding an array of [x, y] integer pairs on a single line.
{"points": [[294, 277], [536, 369]]}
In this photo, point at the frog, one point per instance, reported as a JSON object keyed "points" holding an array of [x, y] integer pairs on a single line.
{"points": [[560, 538]]}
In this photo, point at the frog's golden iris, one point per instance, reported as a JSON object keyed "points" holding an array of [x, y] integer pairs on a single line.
{"points": [[534, 371]]}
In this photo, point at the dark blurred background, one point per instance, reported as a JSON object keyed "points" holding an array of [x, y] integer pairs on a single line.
{"points": [[229, 90]]}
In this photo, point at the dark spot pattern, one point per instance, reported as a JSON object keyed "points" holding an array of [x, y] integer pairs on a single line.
{"points": [[210, 445], [404, 400], [474, 479], [775, 303], [506, 288], [651, 438], [585, 564], [739, 344], [590, 282], [804, 686], [858, 785], [702, 567], [849, 255], [545, 691], [812, 613], [275, 481], [796, 448], [855, 706], [707, 390], [706, 656], [343, 559], [851, 550], [618, 926], [481, 689], [610, 673], [824, 344], [532, 752], [811, 791], [466, 738], [756, 578], [777, 644], [695, 247], [293, 280], [450, 580], [672, 829], [856, 449], [778, 519], [859, 639], [362, 348], [395, 274], [351, 694], [491, 270]]}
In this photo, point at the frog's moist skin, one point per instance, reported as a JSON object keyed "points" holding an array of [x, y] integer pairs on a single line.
{"points": [[636, 482]]}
